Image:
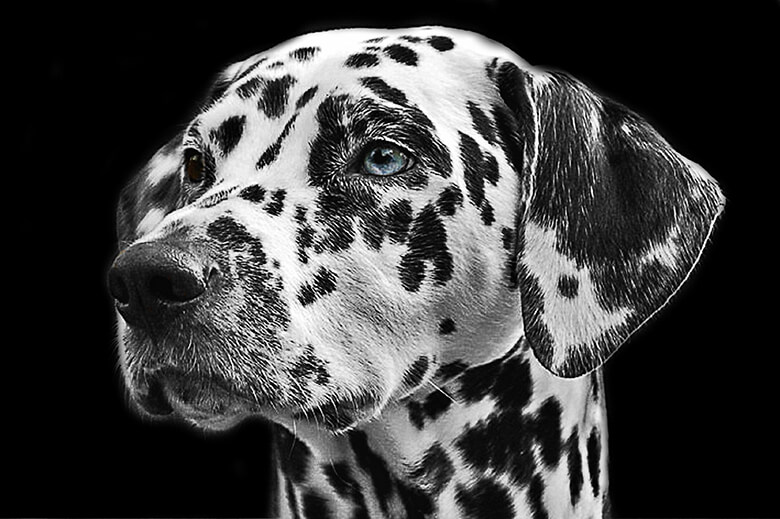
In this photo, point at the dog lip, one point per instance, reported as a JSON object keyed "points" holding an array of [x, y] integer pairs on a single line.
{"points": [[192, 396]]}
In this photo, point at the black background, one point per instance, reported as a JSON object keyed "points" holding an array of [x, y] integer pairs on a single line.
{"points": [[692, 398]]}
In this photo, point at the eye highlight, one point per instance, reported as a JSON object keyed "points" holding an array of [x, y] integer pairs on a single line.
{"points": [[194, 167], [383, 159]]}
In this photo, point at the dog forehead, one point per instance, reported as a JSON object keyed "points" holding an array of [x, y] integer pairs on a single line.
{"points": [[432, 66]]}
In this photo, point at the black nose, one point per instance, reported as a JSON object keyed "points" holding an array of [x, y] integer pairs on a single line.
{"points": [[153, 282]]}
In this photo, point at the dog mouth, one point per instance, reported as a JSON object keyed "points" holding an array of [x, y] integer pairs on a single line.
{"points": [[205, 400]]}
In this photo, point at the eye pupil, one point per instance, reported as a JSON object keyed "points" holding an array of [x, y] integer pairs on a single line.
{"points": [[384, 160], [193, 167]]}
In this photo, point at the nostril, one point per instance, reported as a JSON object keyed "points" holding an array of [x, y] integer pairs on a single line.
{"points": [[118, 288], [176, 286]]}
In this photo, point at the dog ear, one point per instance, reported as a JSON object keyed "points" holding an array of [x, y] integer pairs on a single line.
{"points": [[150, 194], [611, 218]]}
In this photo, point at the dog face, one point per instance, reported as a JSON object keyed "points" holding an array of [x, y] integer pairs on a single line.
{"points": [[353, 210]]}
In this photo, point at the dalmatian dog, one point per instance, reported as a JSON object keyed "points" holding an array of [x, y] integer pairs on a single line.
{"points": [[410, 251]]}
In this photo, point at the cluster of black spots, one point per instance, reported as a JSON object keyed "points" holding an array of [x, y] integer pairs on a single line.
{"points": [[485, 499], [478, 167], [446, 326], [392, 221], [433, 471], [427, 243], [450, 198], [384, 91], [308, 366], [340, 478], [273, 99], [254, 194], [401, 54], [504, 441], [270, 154], [322, 284], [416, 372], [276, 205], [362, 60], [227, 135], [416, 502], [568, 286], [304, 53]]}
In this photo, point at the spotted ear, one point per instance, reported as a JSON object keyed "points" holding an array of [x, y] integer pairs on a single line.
{"points": [[150, 194], [612, 219]]}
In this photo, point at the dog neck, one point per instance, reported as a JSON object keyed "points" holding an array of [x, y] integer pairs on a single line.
{"points": [[505, 439]]}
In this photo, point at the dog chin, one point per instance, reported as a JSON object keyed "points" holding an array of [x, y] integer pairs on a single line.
{"points": [[204, 402]]}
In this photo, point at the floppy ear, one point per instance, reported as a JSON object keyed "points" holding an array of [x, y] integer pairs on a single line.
{"points": [[611, 218], [150, 194]]}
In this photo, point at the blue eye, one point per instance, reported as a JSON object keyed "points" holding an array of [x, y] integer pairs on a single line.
{"points": [[385, 159]]}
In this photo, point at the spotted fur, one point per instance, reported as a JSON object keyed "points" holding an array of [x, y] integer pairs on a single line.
{"points": [[427, 343]]}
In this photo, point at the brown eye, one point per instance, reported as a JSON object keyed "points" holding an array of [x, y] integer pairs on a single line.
{"points": [[193, 166]]}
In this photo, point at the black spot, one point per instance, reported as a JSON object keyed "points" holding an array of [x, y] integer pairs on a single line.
{"points": [[273, 150], [478, 167], [548, 431], [276, 205], [568, 286], [417, 502], [434, 405], [304, 236], [574, 466], [362, 60], [446, 326], [379, 87], [310, 367], [254, 194], [374, 466], [323, 283], [304, 53], [305, 98], [273, 100], [398, 217], [485, 499], [411, 39], [427, 242], [451, 369], [513, 387], [402, 54], [229, 232], [315, 506], [415, 373], [536, 498], [441, 43], [250, 88], [482, 123], [594, 460], [433, 471], [228, 134], [449, 199], [293, 455]]}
